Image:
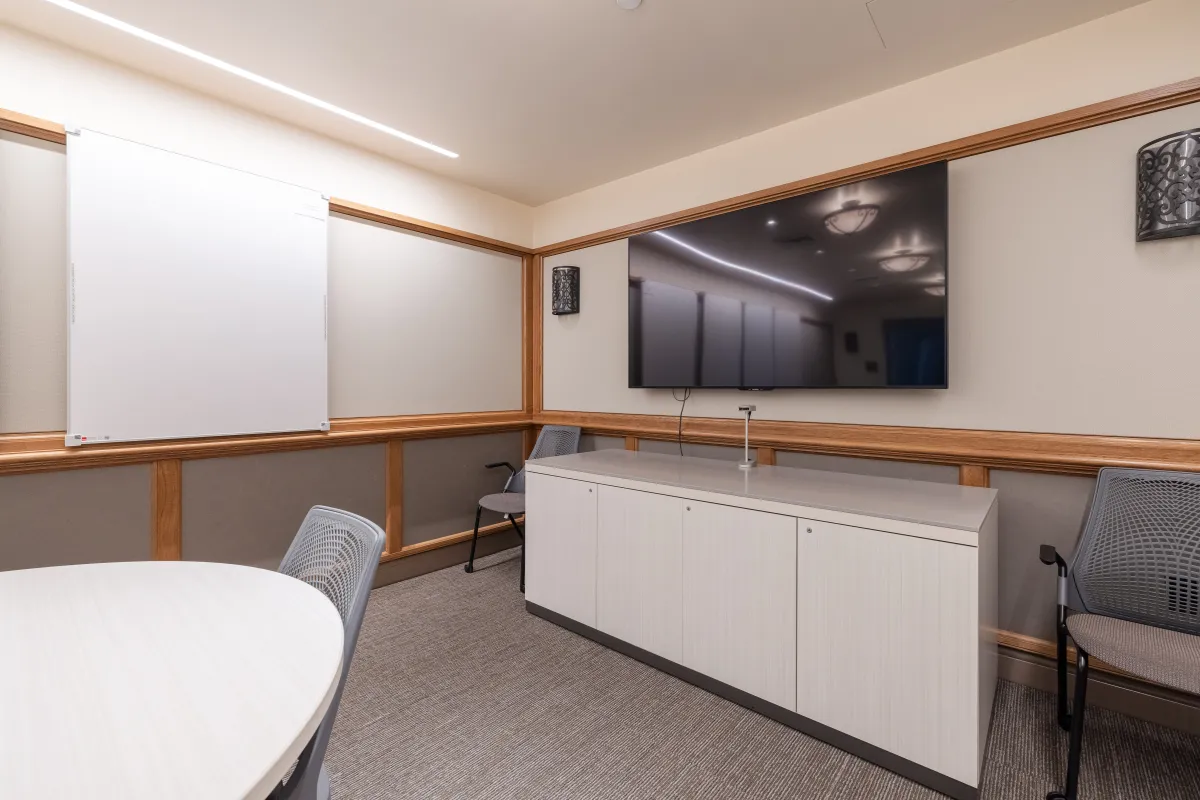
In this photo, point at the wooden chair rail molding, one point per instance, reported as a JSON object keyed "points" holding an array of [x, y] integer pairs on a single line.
{"points": [[45, 452], [1131, 105], [1061, 453]]}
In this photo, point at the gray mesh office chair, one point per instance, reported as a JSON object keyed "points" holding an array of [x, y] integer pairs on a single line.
{"points": [[337, 553], [1131, 594], [554, 440]]}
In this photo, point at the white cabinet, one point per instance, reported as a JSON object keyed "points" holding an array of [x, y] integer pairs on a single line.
{"points": [[888, 631], [560, 541], [639, 570], [739, 599]]}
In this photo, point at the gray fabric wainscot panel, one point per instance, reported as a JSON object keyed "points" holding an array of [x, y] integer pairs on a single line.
{"points": [[1035, 509], [247, 509], [75, 517], [444, 479], [935, 473]]}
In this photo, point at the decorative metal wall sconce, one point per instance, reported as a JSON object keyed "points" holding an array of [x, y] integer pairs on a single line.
{"points": [[1168, 193], [565, 290]]}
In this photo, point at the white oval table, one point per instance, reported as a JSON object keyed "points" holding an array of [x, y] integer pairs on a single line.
{"points": [[159, 679]]}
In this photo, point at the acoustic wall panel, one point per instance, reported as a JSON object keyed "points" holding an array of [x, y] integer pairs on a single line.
{"points": [[33, 285], [419, 325], [444, 479], [79, 516], [247, 509], [197, 297]]}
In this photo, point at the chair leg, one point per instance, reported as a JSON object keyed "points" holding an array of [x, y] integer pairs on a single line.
{"points": [[1064, 712], [470, 567], [1076, 748]]}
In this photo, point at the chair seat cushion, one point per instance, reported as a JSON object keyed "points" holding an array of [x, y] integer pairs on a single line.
{"points": [[504, 503], [1164, 656]]}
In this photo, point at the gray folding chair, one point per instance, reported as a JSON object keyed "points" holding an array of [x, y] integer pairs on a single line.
{"points": [[554, 440], [337, 553], [1131, 593]]}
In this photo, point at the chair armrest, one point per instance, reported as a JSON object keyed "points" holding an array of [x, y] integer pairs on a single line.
{"points": [[1049, 556], [511, 468]]}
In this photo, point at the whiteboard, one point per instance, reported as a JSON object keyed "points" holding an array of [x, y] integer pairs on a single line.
{"points": [[197, 300]]}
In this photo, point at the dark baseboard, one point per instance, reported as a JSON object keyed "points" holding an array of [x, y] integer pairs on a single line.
{"points": [[401, 569], [869, 752], [1146, 701]]}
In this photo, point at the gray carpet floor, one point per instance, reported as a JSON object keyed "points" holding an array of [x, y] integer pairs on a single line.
{"points": [[457, 692]]}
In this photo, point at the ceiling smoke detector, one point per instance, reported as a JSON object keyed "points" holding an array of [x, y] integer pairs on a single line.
{"points": [[628, 5]]}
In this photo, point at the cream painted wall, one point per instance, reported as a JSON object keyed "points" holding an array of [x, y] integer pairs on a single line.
{"points": [[1059, 322], [419, 325], [1140, 48], [47, 80]]}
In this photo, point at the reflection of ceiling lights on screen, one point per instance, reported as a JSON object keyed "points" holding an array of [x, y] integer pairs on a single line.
{"points": [[904, 261], [852, 218], [740, 268], [936, 291]]}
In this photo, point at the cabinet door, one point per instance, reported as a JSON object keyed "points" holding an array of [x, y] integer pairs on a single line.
{"points": [[639, 570], [888, 636], [739, 599], [560, 542]]}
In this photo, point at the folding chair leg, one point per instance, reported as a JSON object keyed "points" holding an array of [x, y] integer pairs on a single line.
{"points": [[470, 567], [1076, 748], [1064, 712]]}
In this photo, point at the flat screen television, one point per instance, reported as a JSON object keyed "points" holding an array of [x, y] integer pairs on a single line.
{"points": [[841, 288]]}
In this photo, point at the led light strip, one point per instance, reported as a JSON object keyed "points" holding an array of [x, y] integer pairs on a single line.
{"points": [[740, 268], [224, 66]]}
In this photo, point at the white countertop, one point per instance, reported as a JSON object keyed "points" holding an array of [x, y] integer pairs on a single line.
{"points": [[159, 679], [919, 502]]}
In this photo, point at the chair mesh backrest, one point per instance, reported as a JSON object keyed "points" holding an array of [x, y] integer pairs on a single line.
{"points": [[331, 552], [335, 552], [1139, 556], [554, 440]]}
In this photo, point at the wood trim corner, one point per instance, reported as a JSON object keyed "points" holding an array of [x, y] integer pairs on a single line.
{"points": [[1114, 110], [166, 510], [536, 364], [766, 456], [393, 490], [632, 443]]}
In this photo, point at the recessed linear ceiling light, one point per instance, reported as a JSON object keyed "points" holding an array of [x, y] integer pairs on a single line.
{"points": [[904, 261], [153, 38], [852, 218], [740, 268]]}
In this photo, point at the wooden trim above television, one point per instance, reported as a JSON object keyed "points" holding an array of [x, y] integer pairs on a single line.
{"points": [[1060, 453], [1131, 105]]}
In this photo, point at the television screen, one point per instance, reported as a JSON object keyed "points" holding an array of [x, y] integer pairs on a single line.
{"points": [[844, 287]]}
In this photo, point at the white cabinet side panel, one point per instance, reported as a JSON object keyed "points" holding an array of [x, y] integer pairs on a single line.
{"points": [[888, 642], [560, 542], [986, 555], [197, 297], [739, 592], [639, 570]]}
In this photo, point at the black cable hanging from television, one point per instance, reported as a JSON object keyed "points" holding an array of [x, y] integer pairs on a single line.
{"points": [[682, 404]]}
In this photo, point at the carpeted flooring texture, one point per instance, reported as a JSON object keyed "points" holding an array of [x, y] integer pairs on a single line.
{"points": [[457, 692]]}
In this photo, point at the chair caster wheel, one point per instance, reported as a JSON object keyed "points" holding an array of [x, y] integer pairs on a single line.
{"points": [[1056, 796], [468, 569]]}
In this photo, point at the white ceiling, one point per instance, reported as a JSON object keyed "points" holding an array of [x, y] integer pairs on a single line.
{"points": [[544, 98]]}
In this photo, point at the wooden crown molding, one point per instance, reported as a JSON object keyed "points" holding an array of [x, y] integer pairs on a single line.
{"points": [[352, 209], [1130, 105], [1060, 453]]}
